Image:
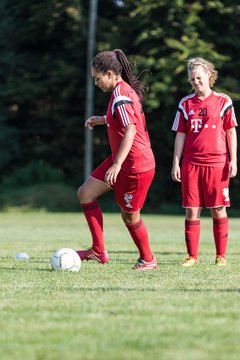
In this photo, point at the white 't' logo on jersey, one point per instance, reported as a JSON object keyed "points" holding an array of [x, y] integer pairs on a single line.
{"points": [[196, 124]]}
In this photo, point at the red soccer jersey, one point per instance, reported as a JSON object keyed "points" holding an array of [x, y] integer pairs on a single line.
{"points": [[124, 109], [205, 123]]}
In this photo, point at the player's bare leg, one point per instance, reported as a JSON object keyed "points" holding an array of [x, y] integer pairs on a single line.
{"points": [[193, 214], [219, 212], [91, 190]]}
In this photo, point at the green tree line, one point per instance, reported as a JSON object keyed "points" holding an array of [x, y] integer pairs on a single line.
{"points": [[43, 83]]}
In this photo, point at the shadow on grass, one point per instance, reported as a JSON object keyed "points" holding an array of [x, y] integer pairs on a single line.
{"points": [[208, 290], [110, 289], [25, 269], [155, 252]]}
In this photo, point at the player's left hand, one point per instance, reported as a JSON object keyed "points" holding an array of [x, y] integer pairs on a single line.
{"points": [[232, 169]]}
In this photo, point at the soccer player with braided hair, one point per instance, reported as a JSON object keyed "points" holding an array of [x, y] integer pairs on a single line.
{"points": [[130, 168], [207, 143]]}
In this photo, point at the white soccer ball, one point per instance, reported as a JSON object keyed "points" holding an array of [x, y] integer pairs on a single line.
{"points": [[66, 259]]}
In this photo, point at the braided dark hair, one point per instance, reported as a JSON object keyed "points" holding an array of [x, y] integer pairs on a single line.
{"points": [[117, 61]]}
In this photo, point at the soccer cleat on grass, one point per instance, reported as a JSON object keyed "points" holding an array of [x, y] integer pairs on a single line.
{"points": [[220, 261], [92, 255], [145, 265], [189, 261]]}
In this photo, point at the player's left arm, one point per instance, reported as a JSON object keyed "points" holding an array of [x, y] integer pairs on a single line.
{"points": [[231, 135], [125, 147]]}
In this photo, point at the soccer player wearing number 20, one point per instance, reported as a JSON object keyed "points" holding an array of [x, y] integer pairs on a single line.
{"points": [[206, 145]]}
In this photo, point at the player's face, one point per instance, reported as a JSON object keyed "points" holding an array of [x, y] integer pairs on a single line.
{"points": [[103, 80], [199, 79]]}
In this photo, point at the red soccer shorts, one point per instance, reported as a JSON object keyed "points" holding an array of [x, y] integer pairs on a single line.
{"points": [[130, 189], [204, 186]]}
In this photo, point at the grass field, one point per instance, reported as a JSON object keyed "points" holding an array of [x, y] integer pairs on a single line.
{"points": [[108, 311]]}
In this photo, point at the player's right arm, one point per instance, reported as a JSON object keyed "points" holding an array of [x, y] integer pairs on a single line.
{"points": [[95, 120], [178, 150]]}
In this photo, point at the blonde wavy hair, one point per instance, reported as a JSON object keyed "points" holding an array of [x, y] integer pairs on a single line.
{"points": [[207, 66]]}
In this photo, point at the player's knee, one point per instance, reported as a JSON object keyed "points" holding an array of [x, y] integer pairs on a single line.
{"points": [[129, 218], [218, 212], [127, 222], [81, 194], [193, 214], [85, 194]]}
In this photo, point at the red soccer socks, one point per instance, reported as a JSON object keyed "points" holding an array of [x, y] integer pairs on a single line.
{"points": [[93, 215], [139, 234], [220, 232], [192, 235]]}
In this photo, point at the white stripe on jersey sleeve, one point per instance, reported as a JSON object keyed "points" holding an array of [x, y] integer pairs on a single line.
{"points": [[121, 108], [176, 121], [184, 112], [181, 109], [234, 117], [229, 105], [119, 99]]}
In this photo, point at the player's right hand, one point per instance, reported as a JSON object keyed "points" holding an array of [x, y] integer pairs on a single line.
{"points": [[176, 173]]}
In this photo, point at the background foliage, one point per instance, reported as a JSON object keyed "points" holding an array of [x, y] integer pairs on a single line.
{"points": [[43, 75]]}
